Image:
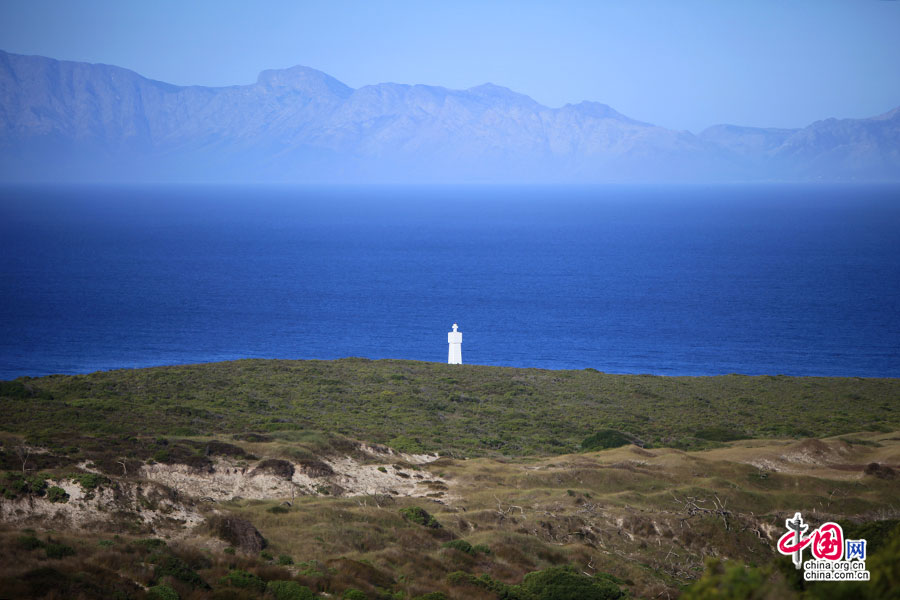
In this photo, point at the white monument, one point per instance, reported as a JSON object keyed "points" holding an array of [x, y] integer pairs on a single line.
{"points": [[454, 338]]}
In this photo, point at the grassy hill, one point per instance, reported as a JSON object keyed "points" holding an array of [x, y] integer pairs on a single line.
{"points": [[268, 479], [455, 409]]}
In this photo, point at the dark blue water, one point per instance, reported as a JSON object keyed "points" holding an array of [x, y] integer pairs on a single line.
{"points": [[682, 280]]}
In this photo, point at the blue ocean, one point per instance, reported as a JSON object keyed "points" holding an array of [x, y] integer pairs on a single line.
{"points": [[685, 280]]}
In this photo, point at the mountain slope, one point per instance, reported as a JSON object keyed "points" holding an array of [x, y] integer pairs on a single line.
{"points": [[63, 121]]}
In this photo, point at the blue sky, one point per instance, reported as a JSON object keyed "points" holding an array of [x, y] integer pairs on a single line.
{"points": [[684, 64]]}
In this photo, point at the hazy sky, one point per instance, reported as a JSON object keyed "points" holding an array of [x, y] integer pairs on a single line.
{"points": [[682, 64]]}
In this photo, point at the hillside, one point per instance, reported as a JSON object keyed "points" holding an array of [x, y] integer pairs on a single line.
{"points": [[465, 410], [275, 479], [69, 121]]}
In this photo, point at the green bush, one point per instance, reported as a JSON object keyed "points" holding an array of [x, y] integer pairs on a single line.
{"points": [[169, 565], [354, 594], [419, 516], [13, 485], [720, 434], [57, 550], [409, 445], [284, 560], [730, 581], [162, 592], [461, 545], [57, 494], [244, 580], [150, 543], [29, 542], [565, 583], [484, 581], [278, 510], [266, 555], [482, 548], [432, 596], [89, 481], [289, 590], [606, 438]]}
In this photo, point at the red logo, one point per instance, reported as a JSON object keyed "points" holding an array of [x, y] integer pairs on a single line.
{"points": [[826, 542]]}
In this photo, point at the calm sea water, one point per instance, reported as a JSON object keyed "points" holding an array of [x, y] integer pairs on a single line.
{"points": [[800, 280]]}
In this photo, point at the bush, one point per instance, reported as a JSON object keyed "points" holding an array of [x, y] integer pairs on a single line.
{"points": [[432, 596], [353, 594], [278, 510], [419, 516], [29, 542], [407, 445], [482, 548], [729, 581], [284, 560], [57, 494], [13, 485], [266, 555], [162, 592], [244, 580], [169, 565], [57, 550], [461, 545], [289, 590], [720, 434], [89, 481], [606, 438], [565, 583]]}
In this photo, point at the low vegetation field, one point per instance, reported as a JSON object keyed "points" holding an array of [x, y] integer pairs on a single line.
{"points": [[405, 480]]}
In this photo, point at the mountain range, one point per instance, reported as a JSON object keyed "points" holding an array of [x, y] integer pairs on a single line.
{"points": [[63, 121]]}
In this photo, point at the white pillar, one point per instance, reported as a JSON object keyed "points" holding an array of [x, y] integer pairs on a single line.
{"points": [[454, 338]]}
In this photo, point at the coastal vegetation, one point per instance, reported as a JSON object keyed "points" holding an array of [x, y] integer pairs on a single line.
{"points": [[455, 410], [503, 484]]}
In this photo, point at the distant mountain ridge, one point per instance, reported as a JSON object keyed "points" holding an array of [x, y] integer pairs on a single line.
{"points": [[72, 121]]}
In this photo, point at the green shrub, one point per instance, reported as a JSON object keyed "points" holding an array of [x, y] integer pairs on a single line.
{"points": [[150, 543], [169, 565], [289, 590], [432, 596], [266, 555], [284, 560], [730, 581], [484, 581], [29, 542], [565, 583], [57, 494], [482, 548], [105, 543], [606, 438], [354, 594], [88, 481], [278, 510], [229, 550], [57, 550], [409, 445], [720, 434], [419, 516], [244, 580], [13, 484], [162, 592], [461, 545], [382, 469]]}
